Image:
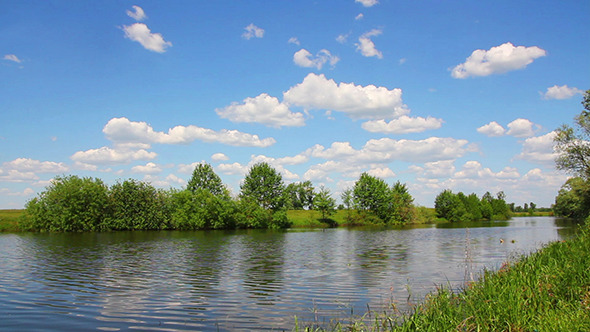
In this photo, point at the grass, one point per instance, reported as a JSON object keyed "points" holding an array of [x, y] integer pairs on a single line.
{"points": [[546, 291], [534, 214], [9, 220]]}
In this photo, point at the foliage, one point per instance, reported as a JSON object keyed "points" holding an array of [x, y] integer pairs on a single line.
{"points": [[69, 204], [204, 178], [324, 203], [573, 199], [136, 205], [264, 185], [458, 207], [300, 195], [573, 144], [10, 220]]}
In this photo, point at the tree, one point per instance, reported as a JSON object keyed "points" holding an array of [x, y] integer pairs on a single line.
{"points": [[300, 195], [204, 178], [264, 185], [324, 203], [573, 199], [69, 204], [371, 194], [449, 206], [136, 205], [402, 202], [573, 144]]}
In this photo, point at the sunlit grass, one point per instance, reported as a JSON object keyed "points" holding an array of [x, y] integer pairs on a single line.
{"points": [[9, 220]]}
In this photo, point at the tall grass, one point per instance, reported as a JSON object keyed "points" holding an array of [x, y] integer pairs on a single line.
{"points": [[546, 291], [9, 220]]}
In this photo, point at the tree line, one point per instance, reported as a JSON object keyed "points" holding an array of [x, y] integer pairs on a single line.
{"points": [[461, 207], [71, 203]]}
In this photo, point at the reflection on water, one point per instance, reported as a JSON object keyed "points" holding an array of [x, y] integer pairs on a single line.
{"points": [[243, 280]]}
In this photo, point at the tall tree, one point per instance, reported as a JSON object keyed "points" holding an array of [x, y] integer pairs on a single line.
{"points": [[372, 194], [204, 178], [573, 144], [324, 203], [264, 185], [300, 195]]}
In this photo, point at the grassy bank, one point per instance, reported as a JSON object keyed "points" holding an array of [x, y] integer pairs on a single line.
{"points": [[546, 291], [533, 214], [9, 220]]}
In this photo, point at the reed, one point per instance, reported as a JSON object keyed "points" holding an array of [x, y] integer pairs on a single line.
{"points": [[9, 220]]}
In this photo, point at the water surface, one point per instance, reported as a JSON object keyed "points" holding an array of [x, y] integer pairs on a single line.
{"points": [[244, 280]]}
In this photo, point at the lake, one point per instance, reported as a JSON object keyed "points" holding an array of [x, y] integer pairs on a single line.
{"points": [[245, 280]]}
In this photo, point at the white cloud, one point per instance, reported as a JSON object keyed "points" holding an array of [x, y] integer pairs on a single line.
{"points": [[359, 17], [365, 102], [366, 45], [382, 173], [137, 13], [36, 166], [262, 109], [403, 125], [149, 168], [12, 57], [435, 169], [561, 92], [294, 40], [140, 33], [342, 38], [175, 179], [367, 3], [107, 155], [13, 175], [303, 58], [497, 60], [521, 128], [492, 129], [252, 31], [232, 169], [219, 157], [121, 130], [539, 149]]}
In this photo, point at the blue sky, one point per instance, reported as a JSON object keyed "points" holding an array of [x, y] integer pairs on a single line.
{"points": [[460, 95]]}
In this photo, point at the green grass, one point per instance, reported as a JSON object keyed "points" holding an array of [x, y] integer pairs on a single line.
{"points": [[9, 220], [534, 214], [546, 291]]}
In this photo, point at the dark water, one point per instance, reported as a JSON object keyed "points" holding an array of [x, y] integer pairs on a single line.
{"points": [[243, 280]]}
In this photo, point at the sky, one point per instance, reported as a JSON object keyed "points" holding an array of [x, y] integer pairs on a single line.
{"points": [[459, 95]]}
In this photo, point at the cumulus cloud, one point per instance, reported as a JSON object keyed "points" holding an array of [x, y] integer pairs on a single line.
{"points": [[435, 169], [294, 41], [492, 129], [36, 166], [140, 33], [342, 38], [367, 47], [367, 3], [497, 60], [303, 58], [121, 130], [149, 168], [381, 172], [219, 157], [137, 13], [252, 31], [386, 150], [539, 149], [561, 92], [361, 102], [106, 156], [12, 57], [403, 125], [521, 128], [262, 109]]}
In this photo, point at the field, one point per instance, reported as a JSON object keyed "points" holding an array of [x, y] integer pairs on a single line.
{"points": [[9, 220]]}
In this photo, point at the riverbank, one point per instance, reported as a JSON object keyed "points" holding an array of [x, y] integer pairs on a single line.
{"points": [[9, 220], [548, 290]]}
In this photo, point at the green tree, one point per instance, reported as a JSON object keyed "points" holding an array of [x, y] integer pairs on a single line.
{"points": [[300, 195], [204, 177], [373, 195], [402, 202], [69, 204], [573, 144], [136, 205], [264, 185], [324, 203], [449, 206], [573, 199]]}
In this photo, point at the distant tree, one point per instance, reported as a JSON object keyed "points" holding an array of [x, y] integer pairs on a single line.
{"points": [[205, 178], [371, 194], [449, 206], [324, 203], [526, 207], [402, 202], [573, 144], [300, 195], [69, 204], [264, 185], [136, 205], [347, 199]]}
